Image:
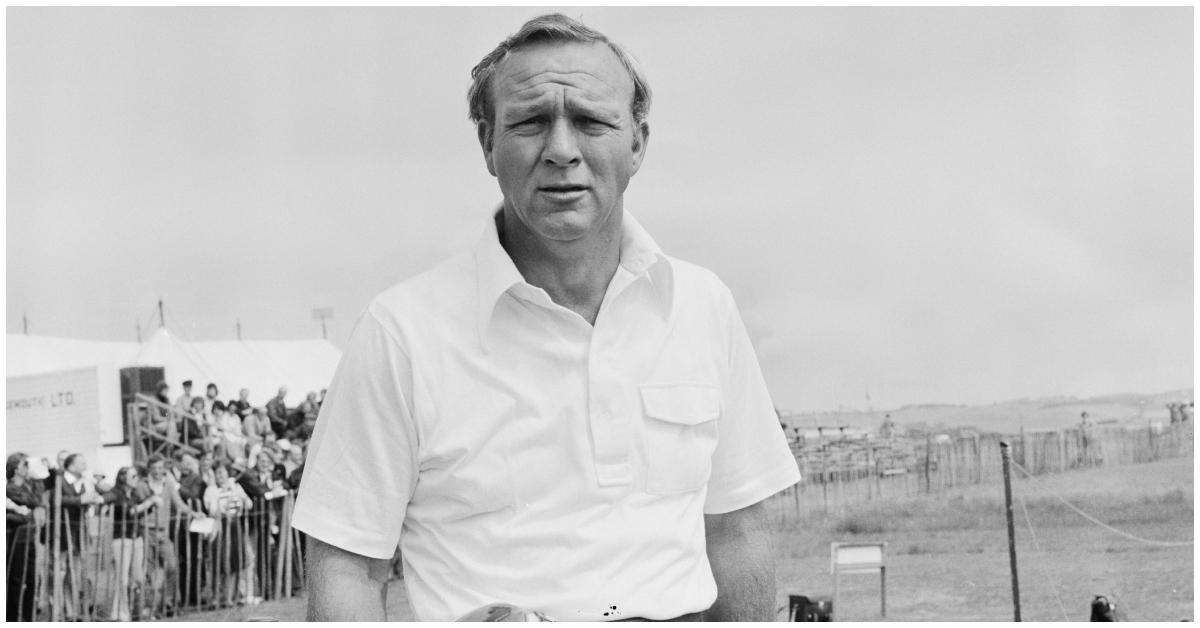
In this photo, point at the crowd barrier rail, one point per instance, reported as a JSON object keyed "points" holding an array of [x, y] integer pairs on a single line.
{"points": [[200, 562]]}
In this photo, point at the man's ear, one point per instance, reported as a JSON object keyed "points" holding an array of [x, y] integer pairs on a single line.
{"points": [[484, 131], [641, 137]]}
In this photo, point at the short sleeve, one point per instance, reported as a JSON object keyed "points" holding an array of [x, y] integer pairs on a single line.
{"points": [[752, 461], [362, 462]]}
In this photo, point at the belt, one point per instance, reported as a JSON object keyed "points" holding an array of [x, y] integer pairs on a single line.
{"points": [[688, 617]]}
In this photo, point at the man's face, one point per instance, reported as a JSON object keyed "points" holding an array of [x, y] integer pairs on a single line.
{"points": [[78, 465], [206, 461], [243, 394], [190, 464], [563, 142], [265, 462], [158, 470]]}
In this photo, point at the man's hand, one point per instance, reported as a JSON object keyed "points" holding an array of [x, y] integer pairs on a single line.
{"points": [[345, 586], [739, 550]]}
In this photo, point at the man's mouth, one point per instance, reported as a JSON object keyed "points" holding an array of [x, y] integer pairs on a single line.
{"points": [[563, 187]]}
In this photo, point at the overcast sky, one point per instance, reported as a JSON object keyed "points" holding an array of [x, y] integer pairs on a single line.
{"points": [[950, 205]]}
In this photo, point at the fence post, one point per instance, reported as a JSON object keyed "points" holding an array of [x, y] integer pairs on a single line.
{"points": [[1012, 542], [928, 452]]}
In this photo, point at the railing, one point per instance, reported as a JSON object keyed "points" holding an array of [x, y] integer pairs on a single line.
{"points": [[842, 472], [204, 562], [159, 428]]}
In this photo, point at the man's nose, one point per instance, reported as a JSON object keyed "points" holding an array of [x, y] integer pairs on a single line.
{"points": [[562, 149]]}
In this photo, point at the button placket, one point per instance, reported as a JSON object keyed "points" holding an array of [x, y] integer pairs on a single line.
{"points": [[611, 433]]}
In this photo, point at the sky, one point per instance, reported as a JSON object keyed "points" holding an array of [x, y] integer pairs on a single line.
{"points": [[938, 205]]}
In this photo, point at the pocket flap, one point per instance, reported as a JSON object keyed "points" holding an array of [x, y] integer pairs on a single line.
{"points": [[685, 404]]}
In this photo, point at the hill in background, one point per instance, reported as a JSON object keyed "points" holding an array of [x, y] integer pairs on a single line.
{"points": [[1007, 417]]}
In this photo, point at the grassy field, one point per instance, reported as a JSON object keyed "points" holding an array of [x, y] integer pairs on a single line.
{"points": [[948, 554]]}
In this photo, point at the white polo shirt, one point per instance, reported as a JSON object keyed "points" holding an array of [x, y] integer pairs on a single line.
{"points": [[520, 455]]}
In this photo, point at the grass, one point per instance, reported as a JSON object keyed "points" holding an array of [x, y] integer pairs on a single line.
{"points": [[948, 553]]}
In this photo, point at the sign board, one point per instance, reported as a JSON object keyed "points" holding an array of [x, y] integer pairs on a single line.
{"points": [[856, 558], [77, 410], [852, 558]]}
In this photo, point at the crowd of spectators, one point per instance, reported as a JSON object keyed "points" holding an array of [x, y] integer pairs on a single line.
{"points": [[214, 504]]}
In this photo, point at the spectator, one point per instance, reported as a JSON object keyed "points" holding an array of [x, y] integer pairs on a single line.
{"points": [[262, 484], [184, 403], [191, 485], [161, 420], [207, 468], [241, 407], [256, 427], [308, 410], [191, 490], [77, 495], [159, 547], [129, 508], [228, 429], [277, 413], [193, 426], [210, 396], [293, 459], [23, 508], [227, 501]]}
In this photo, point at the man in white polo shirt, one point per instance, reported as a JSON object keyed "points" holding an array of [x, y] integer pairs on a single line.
{"points": [[564, 419]]}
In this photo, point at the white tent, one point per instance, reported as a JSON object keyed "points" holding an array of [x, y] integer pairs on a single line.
{"points": [[260, 365]]}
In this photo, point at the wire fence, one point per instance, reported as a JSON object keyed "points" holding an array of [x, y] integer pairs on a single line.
{"points": [[841, 472], [98, 562]]}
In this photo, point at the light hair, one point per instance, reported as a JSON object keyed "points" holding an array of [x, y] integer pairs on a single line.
{"points": [[552, 27]]}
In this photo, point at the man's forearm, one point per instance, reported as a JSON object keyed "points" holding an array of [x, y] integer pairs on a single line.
{"points": [[739, 550], [344, 586]]}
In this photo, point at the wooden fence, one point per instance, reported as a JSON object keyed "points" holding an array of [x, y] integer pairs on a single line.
{"points": [[841, 472]]}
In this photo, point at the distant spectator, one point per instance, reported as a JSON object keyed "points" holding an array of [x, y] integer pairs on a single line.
{"points": [[228, 427], [191, 490], [128, 550], [23, 508], [160, 549], [191, 485], [210, 396], [78, 494], [261, 483], [226, 501], [193, 426], [207, 468], [184, 403], [161, 420], [241, 406], [277, 413], [1186, 412], [256, 426], [308, 410]]}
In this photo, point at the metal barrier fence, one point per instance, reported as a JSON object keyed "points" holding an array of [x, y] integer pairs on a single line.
{"points": [[840, 473], [108, 568]]}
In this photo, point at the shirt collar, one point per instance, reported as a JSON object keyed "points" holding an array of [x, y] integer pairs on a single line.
{"points": [[496, 274]]}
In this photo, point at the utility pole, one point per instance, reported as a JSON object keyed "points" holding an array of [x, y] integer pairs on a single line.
{"points": [[1006, 458], [323, 314], [162, 320], [239, 329], [24, 323]]}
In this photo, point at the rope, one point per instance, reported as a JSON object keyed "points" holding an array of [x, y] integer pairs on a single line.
{"points": [[1101, 523], [1046, 574]]}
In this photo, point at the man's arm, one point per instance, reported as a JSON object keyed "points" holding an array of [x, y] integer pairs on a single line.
{"points": [[344, 586], [739, 550]]}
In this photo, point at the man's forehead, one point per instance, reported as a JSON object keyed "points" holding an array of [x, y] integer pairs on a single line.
{"points": [[593, 68]]}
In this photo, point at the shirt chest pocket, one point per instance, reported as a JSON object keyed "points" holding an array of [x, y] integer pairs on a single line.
{"points": [[680, 435]]}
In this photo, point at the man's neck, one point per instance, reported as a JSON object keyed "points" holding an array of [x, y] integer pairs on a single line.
{"points": [[575, 274]]}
